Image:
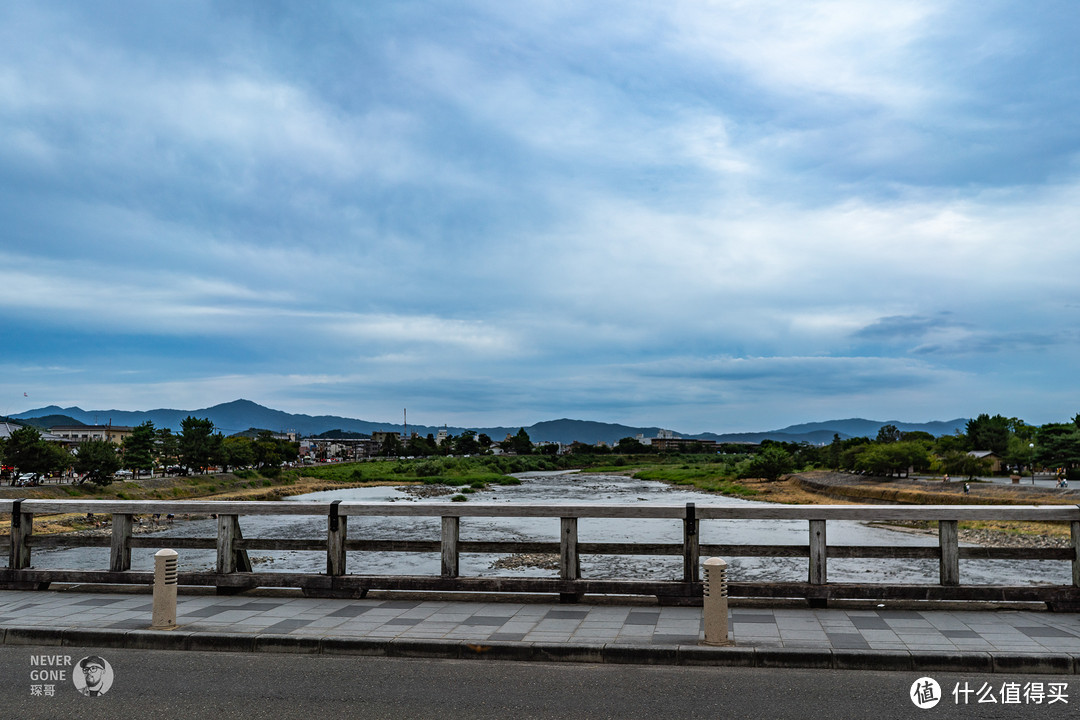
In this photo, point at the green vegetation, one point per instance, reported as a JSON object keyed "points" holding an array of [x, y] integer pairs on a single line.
{"points": [[476, 473], [97, 460], [707, 477]]}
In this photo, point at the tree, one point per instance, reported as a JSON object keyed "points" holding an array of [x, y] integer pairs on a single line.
{"points": [[1022, 430], [26, 450], [835, 448], [519, 444], [961, 463], [772, 462], [391, 446], [1058, 445], [168, 446], [580, 448], [466, 444], [271, 452], [893, 458], [1020, 453], [97, 461], [952, 443], [550, 449], [988, 433], [631, 446], [421, 447], [888, 434], [138, 448], [196, 445], [239, 452]]}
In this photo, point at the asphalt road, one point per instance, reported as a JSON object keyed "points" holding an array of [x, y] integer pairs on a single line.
{"points": [[155, 684]]}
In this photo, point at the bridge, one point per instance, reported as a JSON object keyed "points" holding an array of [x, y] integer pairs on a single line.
{"points": [[234, 573]]}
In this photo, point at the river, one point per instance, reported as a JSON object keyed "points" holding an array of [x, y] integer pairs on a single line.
{"points": [[561, 488]]}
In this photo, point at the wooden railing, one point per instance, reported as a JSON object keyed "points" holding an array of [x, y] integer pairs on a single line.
{"points": [[234, 572]]}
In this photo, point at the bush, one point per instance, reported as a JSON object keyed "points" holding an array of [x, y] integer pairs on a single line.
{"points": [[428, 468], [458, 498]]}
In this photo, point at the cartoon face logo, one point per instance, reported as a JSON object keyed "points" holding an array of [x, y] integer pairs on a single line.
{"points": [[93, 676]]}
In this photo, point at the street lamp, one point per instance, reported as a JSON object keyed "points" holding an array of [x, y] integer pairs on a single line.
{"points": [[1032, 446]]}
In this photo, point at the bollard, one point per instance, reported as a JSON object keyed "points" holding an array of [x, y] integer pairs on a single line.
{"points": [[164, 590], [716, 603]]}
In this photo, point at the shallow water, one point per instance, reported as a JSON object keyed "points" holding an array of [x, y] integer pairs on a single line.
{"points": [[563, 489]]}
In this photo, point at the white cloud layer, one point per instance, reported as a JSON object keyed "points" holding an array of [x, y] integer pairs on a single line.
{"points": [[703, 215]]}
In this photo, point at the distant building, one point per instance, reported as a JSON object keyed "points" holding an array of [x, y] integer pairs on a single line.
{"points": [[675, 444], [80, 433], [994, 458], [6, 428]]}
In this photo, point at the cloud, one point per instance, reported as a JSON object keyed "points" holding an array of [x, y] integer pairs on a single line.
{"points": [[712, 213], [905, 327]]}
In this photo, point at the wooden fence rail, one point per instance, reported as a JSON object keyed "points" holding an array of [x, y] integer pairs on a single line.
{"points": [[234, 571]]}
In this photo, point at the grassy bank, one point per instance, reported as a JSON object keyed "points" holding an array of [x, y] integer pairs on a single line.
{"points": [[701, 477], [224, 486], [470, 473]]}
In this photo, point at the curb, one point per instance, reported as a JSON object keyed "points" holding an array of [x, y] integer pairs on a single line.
{"points": [[686, 655]]}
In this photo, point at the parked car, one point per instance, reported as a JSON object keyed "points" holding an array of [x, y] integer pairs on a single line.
{"points": [[29, 479]]}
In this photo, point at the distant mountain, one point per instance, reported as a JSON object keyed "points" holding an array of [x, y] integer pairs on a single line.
{"points": [[858, 427], [243, 415], [50, 421], [816, 437]]}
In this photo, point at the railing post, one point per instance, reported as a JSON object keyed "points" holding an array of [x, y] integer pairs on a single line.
{"points": [[451, 527], [22, 527], [691, 544], [818, 573], [949, 542], [120, 551], [336, 532], [230, 559], [569, 562], [1075, 536]]}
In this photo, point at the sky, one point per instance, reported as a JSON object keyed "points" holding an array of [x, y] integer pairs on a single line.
{"points": [[707, 216]]}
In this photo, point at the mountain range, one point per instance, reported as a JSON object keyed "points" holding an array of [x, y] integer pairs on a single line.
{"points": [[240, 415]]}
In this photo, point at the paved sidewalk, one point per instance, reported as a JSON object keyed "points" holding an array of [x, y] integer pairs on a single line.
{"points": [[985, 640]]}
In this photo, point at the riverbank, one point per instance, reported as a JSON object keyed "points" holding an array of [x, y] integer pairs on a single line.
{"points": [[222, 486]]}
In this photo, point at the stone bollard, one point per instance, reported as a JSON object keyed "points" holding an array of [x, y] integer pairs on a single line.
{"points": [[716, 603], [164, 590]]}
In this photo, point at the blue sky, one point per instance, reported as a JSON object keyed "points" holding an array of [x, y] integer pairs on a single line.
{"points": [[709, 216]]}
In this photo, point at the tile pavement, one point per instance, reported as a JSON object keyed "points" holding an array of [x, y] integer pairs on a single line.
{"points": [[1011, 631]]}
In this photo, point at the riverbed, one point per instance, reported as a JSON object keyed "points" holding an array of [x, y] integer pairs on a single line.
{"points": [[562, 488]]}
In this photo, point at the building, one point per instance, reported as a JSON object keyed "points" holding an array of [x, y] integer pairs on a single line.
{"points": [[684, 445], [80, 433], [993, 457]]}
